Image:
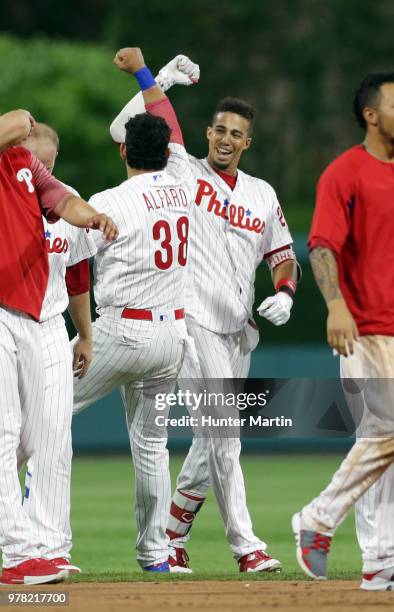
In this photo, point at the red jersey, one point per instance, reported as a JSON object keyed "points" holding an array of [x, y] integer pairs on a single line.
{"points": [[354, 217], [27, 190]]}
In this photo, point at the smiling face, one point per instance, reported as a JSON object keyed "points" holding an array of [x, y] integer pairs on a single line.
{"points": [[228, 137]]}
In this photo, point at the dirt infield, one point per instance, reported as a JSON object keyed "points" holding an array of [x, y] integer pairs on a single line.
{"points": [[256, 596]]}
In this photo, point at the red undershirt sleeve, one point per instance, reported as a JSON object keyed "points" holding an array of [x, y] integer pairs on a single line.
{"points": [[163, 108], [50, 191], [78, 278]]}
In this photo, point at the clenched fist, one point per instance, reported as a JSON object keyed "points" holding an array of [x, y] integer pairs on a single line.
{"points": [[129, 59], [179, 71], [276, 308]]}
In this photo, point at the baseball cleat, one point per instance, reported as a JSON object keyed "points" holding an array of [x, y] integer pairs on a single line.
{"points": [[64, 564], [179, 561], [379, 581], [33, 571], [158, 567], [259, 561], [312, 548]]}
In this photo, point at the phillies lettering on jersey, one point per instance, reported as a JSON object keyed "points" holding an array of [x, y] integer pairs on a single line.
{"points": [[25, 174], [152, 213], [238, 216], [58, 245], [231, 232], [66, 245]]}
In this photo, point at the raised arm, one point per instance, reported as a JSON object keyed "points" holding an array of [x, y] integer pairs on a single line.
{"points": [[341, 327], [131, 60], [180, 70], [156, 102]]}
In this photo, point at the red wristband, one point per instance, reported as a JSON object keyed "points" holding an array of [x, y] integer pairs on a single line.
{"points": [[287, 285]]}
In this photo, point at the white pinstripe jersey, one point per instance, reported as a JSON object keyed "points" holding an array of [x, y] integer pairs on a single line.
{"points": [[231, 232], [145, 266], [66, 246]]}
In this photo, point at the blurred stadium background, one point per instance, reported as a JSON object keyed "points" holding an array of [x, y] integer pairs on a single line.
{"points": [[297, 61]]}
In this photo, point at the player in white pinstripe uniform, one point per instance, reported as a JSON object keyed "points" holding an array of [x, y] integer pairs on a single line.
{"points": [[140, 337], [47, 491], [27, 190], [236, 223]]}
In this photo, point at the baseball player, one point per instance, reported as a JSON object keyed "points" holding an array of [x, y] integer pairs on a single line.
{"points": [[140, 337], [47, 497], [236, 223], [352, 246], [26, 190]]}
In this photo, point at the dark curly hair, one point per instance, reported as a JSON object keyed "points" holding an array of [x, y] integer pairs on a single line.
{"points": [[368, 94], [147, 139], [237, 106]]}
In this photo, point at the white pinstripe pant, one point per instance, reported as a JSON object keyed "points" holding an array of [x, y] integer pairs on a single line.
{"points": [[213, 460], [47, 497], [21, 397], [143, 358], [374, 358], [366, 476]]}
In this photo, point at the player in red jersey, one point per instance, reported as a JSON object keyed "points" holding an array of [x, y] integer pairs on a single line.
{"points": [[352, 256], [27, 190], [48, 474]]}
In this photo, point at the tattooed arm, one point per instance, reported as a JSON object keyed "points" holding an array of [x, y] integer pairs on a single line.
{"points": [[342, 330]]}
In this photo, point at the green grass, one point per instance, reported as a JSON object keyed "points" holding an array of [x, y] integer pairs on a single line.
{"points": [[104, 526]]}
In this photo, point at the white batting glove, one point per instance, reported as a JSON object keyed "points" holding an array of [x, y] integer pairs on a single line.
{"points": [[179, 71], [276, 308]]}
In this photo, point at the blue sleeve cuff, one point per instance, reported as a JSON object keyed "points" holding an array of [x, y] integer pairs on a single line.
{"points": [[144, 78]]}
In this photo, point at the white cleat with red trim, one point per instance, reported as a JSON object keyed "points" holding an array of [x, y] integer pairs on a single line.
{"points": [[379, 581], [33, 571], [179, 561], [259, 561]]}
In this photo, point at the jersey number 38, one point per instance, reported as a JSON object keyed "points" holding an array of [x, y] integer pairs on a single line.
{"points": [[164, 257]]}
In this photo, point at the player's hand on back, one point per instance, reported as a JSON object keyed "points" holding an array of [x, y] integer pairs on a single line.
{"points": [[342, 330], [105, 225], [129, 59], [179, 71], [276, 308]]}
